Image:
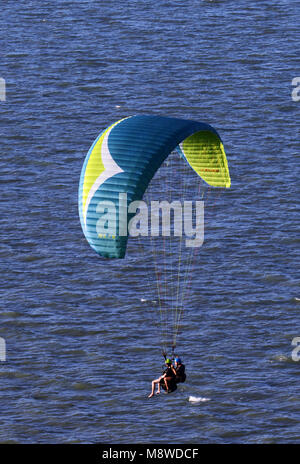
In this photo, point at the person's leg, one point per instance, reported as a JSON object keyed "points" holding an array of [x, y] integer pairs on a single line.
{"points": [[158, 386], [154, 382], [167, 379]]}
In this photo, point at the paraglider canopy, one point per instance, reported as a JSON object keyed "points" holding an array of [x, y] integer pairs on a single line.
{"points": [[125, 157]]}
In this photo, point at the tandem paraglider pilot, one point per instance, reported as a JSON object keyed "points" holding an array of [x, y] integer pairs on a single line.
{"points": [[180, 374]]}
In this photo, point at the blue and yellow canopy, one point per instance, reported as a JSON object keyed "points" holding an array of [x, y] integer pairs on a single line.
{"points": [[125, 157]]}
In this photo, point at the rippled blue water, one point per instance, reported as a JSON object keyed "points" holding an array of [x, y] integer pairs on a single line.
{"points": [[81, 347]]}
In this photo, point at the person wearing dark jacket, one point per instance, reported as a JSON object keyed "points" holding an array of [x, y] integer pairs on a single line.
{"points": [[179, 371]]}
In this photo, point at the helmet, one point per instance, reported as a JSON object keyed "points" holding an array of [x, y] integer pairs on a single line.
{"points": [[178, 360], [168, 361]]}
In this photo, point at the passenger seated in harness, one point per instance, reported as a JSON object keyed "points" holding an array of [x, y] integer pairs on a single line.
{"points": [[165, 381]]}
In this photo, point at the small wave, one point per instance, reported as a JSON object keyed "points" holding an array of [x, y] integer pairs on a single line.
{"points": [[144, 300], [280, 358], [198, 399]]}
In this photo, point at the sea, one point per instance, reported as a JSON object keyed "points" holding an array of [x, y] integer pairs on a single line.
{"points": [[79, 335]]}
